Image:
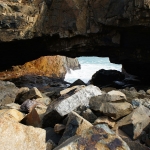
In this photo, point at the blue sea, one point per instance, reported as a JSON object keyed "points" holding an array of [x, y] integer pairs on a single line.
{"points": [[89, 65]]}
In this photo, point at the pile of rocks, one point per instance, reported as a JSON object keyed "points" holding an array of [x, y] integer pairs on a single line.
{"points": [[79, 117]]}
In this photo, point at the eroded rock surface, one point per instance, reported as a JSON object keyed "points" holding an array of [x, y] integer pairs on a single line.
{"points": [[50, 66], [8, 92], [27, 137], [98, 137]]}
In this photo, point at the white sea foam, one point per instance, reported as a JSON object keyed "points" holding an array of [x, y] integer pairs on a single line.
{"points": [[89, 65]]}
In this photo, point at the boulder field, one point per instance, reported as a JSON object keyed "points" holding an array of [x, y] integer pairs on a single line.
{"points": [[73, 118]]}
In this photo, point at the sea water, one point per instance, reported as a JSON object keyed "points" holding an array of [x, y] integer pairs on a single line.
{"points": [[89, 65]]}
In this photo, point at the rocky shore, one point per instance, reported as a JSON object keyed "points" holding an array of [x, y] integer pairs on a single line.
{"points": [[38, 112]]}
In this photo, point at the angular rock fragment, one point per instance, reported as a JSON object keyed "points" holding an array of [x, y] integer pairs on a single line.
{"points": [[31, 94], [50, 145], [98, 137], [32, 119], [134, 123], [77, 82], [130, 94], [44, 100], [62, 107], [105, 119], [8, 92], [21, 92], [58, 128], [75, 126], [12, 113], [111, 104], [89, 115], [114, 96], [76, 88], [20, 137], [116, 110], [11, 106], [148, 91], [41, 109], [135, 145]]}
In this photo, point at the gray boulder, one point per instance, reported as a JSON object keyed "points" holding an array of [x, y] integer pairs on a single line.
{"points": [[8, 92], [64, 106], [112, 104]]}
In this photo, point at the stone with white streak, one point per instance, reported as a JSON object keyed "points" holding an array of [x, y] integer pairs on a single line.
{"points": [[62, 107]]}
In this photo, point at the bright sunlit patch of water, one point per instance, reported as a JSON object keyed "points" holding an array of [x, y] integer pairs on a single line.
{"points": [[89, 65]]}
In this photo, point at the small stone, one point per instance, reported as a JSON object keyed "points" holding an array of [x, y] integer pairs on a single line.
{"points": [[21, 92], [148, 92], [50, 145], [105, 119], [28, 105], [115, 96], [77, 82], [58, 128], [12, 106], [75, 88], [89, 115], [44, 100]]}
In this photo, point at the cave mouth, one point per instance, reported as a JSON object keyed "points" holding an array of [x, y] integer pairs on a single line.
{"points": [[89, 66]]}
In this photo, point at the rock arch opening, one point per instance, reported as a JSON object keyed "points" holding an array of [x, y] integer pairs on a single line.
{"points": [[89, 66]]}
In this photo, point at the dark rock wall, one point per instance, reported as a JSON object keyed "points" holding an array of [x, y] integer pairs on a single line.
{"points": [[116, 29]]}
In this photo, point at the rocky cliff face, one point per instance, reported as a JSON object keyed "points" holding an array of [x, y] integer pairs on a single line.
{"points": [[49, 66], [21, 19], [113, 28]]}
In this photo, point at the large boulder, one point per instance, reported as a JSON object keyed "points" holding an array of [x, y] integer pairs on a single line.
{"points": [[106, 77], [8, 92], [112, 104], [64, 106], [134, 123], [20, 137], [75, 126], [50, 66], [98, 137]]}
